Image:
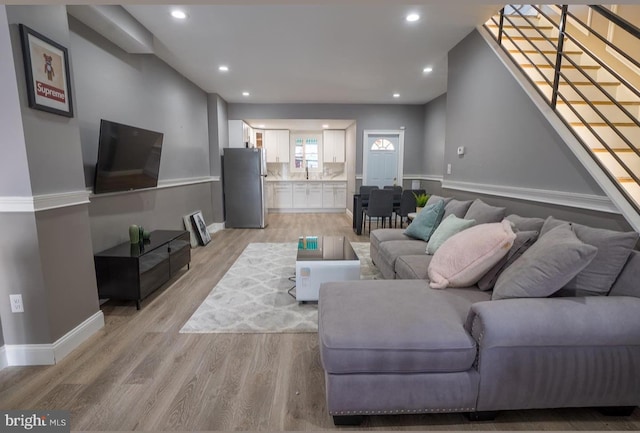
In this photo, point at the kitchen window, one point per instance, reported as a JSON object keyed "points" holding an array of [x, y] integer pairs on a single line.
{"points": [[307, 151]]}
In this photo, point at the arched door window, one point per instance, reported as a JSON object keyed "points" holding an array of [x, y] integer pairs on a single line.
{"points": [[382, 144]]}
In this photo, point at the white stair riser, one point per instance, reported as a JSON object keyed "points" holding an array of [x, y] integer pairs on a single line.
{"points": [[570, 74], [631, 160], [609, 136], [624, 94], [529, 32], [610, 112]]}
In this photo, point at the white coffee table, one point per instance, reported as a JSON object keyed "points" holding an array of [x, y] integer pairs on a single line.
{"points": [[322, 259]]}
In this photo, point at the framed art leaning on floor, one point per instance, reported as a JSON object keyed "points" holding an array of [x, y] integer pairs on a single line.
{"points": [[197, 220]]}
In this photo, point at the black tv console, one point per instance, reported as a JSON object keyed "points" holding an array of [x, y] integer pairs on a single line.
{"points": [[133, 271]]}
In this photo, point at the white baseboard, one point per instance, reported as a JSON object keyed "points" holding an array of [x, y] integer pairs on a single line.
{"points": [[215, 227], [3, 358], [49, 354], [560, 198]]}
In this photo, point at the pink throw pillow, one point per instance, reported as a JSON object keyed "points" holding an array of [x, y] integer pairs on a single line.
{"points": [[466, 256]]}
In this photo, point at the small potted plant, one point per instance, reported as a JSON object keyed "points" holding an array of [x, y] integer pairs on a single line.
{"points": [[421, 201]]}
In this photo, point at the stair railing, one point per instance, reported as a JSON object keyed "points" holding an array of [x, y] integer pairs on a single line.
{"points": [[559, 77]]}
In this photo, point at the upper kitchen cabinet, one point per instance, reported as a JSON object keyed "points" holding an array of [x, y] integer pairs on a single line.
{"points": [[276, 141], [333, 146]]}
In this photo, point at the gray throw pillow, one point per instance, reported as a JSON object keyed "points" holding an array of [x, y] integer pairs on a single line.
{"points": [[521, 244], [613, 251], [525, 224], [484, 213], [435, 198], [546, 266], [457, 208]]}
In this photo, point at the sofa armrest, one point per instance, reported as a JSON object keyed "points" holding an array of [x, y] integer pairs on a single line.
{"points": [[536, 322]]}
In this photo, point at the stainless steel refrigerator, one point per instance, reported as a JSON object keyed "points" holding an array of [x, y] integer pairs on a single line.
{"points": [[245, 200]]}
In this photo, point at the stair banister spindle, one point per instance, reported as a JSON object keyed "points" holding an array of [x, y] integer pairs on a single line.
{"points": [[556, 74], [500, 26]]}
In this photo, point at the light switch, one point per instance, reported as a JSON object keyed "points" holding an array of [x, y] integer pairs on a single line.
{"points": [[448, 168]]}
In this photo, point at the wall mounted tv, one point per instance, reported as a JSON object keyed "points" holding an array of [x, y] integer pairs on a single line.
{"points": [[128, 158]]}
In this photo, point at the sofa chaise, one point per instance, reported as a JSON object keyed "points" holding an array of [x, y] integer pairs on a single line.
{"points": [[397, 346]]}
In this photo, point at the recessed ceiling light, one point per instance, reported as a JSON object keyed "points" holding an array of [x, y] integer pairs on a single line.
{"points": [[178, 14], [427, 69], [325, 126], [223, 68], [245, 93], [396, 95], [261, 125], [413, 17]]}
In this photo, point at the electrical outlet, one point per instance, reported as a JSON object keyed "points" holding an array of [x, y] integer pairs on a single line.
{"points": [[16, 303], [448, 168]]}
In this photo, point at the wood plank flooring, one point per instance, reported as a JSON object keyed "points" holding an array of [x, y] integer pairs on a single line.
{"points": [[139, 373]]}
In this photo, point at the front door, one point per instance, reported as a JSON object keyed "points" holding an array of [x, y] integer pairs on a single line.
{"points": [[382, 159]]}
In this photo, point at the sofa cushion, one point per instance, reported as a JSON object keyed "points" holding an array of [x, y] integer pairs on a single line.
{"points": [[412, 267], [546, 266], [613, 251], [627, 282], [465, 257], [382, 235], [447, 228], [389, 251], [521, 244], [484, 213], [425, 223], [525, 224], [456, 207], [398, 326], [435, 198]]}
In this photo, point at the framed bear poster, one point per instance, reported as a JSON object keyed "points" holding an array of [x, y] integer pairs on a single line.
{"points": [[46, 65]]}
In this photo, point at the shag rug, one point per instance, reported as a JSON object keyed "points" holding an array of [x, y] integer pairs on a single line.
{"points": [[252, 296]]}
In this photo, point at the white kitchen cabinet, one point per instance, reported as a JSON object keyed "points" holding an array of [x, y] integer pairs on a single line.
{"points": [[239, 134], [276, 141], [269, 188], [307, 195], [333, 146], [282, 195], [334, 195]]}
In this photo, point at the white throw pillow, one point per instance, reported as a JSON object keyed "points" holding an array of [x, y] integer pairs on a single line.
{"points": [[466, 256]]}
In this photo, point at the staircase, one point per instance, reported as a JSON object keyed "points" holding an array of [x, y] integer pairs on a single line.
{"points": [[590, 82]]}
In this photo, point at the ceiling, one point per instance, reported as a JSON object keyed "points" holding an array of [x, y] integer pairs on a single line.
{"points": [[336, 52]]}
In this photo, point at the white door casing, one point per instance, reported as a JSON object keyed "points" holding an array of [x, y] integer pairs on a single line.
{"points": [[380, 167]]}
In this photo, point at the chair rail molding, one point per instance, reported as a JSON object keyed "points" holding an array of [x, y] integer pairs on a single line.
{"points": [[43, 202], [560, 198]]}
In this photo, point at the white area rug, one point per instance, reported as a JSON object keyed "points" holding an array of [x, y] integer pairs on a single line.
{"points": [[252, 296]]}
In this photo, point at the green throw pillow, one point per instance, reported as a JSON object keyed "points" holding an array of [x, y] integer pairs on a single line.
{"points": [[449, 227], [426, 221]]}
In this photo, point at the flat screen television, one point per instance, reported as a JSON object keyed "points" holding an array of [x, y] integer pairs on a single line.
{"points": [[128, 158]]}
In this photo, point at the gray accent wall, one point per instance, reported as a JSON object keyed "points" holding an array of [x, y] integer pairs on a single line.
{"points": [[53, 142], [14, 168], [139, 90], [367, 116], [435, 125], [142, 90], [507, 140], [162, 208], [218, 140]]}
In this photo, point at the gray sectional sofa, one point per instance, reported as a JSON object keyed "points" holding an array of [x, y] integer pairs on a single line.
{"points": [[396, 346]]}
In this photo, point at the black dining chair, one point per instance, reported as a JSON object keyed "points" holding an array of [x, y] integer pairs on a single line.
{"points": [[380, 206], [408, 203], [397, 195]]}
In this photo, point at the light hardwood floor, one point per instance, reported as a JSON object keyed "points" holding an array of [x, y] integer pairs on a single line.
{"points": [[139, 373]]}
